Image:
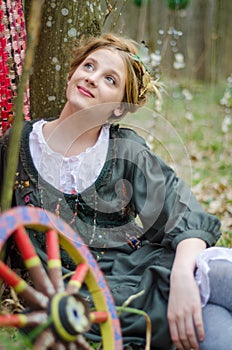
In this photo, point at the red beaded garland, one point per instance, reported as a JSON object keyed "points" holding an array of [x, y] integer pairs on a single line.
{"points": [[12, 52]]}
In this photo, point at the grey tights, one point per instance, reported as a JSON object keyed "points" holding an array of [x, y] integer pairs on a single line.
{"points": [[217, 314]]}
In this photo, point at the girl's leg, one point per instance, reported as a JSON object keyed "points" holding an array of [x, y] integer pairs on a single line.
{"points": [[217, 314], [220, 276], [218, 328]]}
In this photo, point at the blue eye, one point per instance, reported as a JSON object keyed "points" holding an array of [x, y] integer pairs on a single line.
{"points": [[111, 80], [89, 66]]}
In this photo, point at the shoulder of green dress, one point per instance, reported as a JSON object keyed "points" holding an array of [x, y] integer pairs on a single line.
{"points": [[33, 121], [28, 124], [117, 131]]}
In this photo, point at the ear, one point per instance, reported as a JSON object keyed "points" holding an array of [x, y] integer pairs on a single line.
{"points": [[118, 112]]}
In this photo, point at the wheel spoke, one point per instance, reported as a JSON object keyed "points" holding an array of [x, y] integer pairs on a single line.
{"points": [[59, 346], [45, 340], [58, 317], [31, 319], [99, 316], [54, 261], [74, 346], [13, 320], [33, 262], [82, 343], [77, 279], [33, 298]]}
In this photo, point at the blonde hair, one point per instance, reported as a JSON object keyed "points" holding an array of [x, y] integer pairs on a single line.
{"points": [[138, 80]]}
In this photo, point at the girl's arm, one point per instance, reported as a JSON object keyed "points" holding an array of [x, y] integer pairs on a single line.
{"points": [[184, 307]]}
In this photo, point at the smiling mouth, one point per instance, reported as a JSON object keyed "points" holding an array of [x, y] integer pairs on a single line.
{"points": [[84, 91]]}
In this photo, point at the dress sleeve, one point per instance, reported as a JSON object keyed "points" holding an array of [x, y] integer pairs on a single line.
{"points": [[166, 206]]}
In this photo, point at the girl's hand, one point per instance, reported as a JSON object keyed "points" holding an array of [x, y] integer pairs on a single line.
{"points": [[184, 312], [184, 306]]}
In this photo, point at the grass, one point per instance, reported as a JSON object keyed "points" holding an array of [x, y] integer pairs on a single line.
{"points": [[208, 147], [11, 339]]}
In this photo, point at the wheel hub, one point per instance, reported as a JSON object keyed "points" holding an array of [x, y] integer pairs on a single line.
{"points": [[70, 315]]}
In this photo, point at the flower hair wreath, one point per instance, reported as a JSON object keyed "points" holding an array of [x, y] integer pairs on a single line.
{"points": [[148, 84]]}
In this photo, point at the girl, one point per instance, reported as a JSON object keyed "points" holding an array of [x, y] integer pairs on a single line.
{"points": [[99, 177]]}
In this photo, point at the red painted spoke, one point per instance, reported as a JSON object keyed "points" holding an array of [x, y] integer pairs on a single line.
{"points": [[77, 279], [33, 298], [33, 262], [99, 316], [31, 319], [13, 321], [54, 262], [54, 313]]}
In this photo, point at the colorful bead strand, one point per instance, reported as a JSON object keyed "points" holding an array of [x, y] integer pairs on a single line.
{"points": [[12, 53]]}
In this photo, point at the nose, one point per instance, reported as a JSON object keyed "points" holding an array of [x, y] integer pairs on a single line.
{"points": [[91, 79]]}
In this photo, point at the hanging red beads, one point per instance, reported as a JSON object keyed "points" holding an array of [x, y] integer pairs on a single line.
{"points": [[12, 52]]}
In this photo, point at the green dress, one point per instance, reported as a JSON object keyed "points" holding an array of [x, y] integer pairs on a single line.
{"points": [[135, 255]]}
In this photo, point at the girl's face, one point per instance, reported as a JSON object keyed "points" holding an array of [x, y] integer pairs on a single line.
{"points": [[99, 79]]}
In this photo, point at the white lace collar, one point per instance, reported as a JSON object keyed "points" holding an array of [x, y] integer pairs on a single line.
{"points": [[68, 174]]}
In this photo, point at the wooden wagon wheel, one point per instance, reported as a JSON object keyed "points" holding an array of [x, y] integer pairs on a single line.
{"points": [[62, 311]]}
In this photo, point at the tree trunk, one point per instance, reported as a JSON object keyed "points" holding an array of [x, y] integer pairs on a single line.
{"points": [[224, 60], [199, 38], [63, 23]]}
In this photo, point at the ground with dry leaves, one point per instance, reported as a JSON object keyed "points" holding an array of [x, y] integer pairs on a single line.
{"points": [[200, 116]]}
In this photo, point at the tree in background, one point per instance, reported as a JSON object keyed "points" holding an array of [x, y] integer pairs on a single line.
{"points": [[205, 42]]}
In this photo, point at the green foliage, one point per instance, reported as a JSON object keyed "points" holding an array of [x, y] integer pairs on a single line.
{"points": [[140, 2], [177, 4], [11, 339]]}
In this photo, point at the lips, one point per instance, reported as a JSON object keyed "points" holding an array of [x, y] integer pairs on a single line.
{"points": [[85, 91]]}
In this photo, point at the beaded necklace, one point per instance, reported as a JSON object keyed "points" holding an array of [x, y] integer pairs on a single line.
{"points": [[62, 205], [71, 208]]}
